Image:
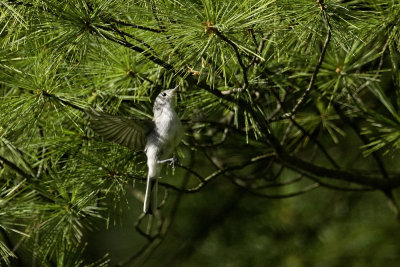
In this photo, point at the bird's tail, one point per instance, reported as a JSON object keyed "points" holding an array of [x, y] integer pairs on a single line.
{"points": [[150, 198]]}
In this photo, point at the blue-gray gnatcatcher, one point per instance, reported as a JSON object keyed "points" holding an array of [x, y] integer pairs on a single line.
{"points": [[158, 138]]}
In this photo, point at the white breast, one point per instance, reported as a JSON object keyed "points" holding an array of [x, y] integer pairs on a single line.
{"points": [[168, 131]]}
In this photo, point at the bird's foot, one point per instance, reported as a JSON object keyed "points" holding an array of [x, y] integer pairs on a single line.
{"points": [[172, 161]]}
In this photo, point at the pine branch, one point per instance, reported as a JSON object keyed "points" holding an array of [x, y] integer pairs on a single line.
{"points": [[312, 138], [135, 26], [62, 101], [302, 191], [19, 3], [305, 94], [15, 168], [32, 180], [356, 129], [16, 258], [140, 50], [155, 15], [307, 168], [122, 34], [238, 56], [340, 188]]}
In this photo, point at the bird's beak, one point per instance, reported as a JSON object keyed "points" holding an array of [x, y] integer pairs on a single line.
{"points": [[175, 90]]}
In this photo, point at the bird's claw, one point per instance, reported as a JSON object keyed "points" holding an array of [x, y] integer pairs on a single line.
{"points": [[173, 162]]}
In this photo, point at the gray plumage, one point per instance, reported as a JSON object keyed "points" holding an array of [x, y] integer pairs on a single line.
{"points": [[158, 138], [129, 132]]}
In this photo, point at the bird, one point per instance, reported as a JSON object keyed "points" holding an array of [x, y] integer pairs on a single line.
{"points": [[157, 138]]}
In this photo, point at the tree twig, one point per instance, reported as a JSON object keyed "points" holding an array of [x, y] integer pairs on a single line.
{"points": [[304, 131], [140, 50], [140, 27], [123, 33], [303, 97], [238, 56], [280, 196]]}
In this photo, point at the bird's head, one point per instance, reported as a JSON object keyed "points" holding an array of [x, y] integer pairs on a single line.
{"points": [[165, 98]]}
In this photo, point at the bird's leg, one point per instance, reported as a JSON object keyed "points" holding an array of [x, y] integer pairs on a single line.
{"points": [[172, 161]]}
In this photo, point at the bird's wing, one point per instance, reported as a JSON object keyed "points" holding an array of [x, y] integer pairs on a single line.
{"points": [[129, 132]]}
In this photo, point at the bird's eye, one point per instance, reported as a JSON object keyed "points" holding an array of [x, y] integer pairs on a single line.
{"points": [[164, 94]]}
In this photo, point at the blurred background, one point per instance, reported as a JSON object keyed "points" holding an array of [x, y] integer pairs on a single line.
{"points": [[225, 226]]}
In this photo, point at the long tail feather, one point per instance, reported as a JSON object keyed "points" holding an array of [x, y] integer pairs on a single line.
{"points": [[150, 198]]}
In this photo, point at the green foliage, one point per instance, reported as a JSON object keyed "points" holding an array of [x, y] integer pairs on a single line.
{"points": [[278, 98]]}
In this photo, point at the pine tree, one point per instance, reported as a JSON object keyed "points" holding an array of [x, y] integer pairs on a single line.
{"points": [[279, 98]]}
